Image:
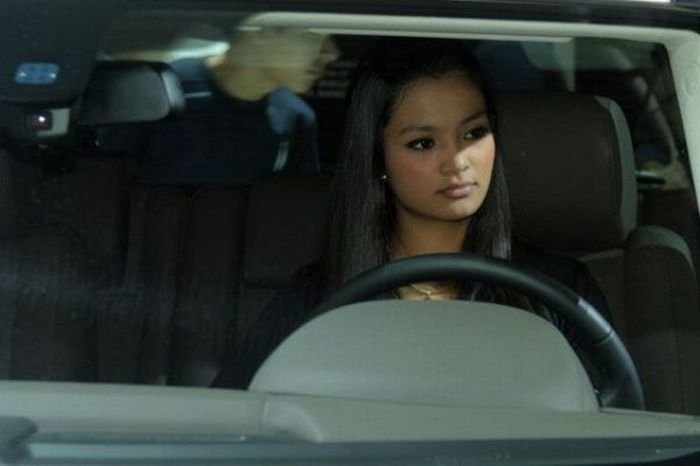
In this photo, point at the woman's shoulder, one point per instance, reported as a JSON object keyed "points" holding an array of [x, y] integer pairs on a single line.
{"points": [[567, 270]]}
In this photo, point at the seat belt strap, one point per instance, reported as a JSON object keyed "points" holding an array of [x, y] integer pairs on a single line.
{"points": [[282, 156]]}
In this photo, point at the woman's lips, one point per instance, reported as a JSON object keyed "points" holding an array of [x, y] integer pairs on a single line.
{"points": [[458, 190]]}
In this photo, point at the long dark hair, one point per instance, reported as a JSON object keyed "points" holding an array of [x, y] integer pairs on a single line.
{"points": [[362, 219]]}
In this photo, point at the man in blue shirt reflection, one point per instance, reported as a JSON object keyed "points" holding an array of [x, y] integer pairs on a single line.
{"points": [[243, 117]]}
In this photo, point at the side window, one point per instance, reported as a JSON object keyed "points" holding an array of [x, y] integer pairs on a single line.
{"points": [[637, 76]]}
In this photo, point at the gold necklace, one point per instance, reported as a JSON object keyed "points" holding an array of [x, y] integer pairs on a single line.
{"points": [[428, 294]]}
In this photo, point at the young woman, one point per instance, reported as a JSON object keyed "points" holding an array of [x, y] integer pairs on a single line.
{"points": [[419, 172]]}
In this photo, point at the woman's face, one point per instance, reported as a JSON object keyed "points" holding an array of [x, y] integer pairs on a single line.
{"points": [[439, 150]]}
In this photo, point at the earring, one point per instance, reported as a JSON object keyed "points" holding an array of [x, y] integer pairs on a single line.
{"points": [[383, 177]]}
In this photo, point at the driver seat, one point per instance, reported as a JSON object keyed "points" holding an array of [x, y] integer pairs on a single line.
{"points": [[570, 168]]}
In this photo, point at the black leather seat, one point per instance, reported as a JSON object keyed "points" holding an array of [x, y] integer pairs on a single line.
{"points": [[570, 169], [285, 230], [60, 255]]}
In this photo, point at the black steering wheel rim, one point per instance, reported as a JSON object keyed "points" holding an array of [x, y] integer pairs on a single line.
{"points": [[620, 384]]}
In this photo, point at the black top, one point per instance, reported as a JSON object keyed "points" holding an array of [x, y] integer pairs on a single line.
{"points": [[295, 305]]}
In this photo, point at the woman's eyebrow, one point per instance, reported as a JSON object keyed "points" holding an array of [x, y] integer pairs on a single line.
{"points": [[429, 128], [473, 117], [417, 129]]}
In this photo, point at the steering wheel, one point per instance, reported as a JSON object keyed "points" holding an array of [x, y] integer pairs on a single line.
{"points": [[620, 385]]}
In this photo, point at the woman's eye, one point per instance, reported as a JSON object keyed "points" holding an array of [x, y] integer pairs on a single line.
{"points": [[421, 144], [477, 133]]}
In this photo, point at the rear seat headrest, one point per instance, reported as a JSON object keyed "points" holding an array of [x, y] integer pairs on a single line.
{"points": [[131, 92], [285, 229], [570, 169]]}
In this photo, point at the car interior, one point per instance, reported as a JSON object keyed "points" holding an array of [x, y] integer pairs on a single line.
{"points": [[113, 278]]}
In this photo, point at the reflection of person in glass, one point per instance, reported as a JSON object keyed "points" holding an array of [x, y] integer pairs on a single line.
{"points": [[243, 116], [258, 62]]}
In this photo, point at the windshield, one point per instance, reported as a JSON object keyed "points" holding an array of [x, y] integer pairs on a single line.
{"points": [[203, 183]]}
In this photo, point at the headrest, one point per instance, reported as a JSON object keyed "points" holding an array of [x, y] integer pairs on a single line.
{"points": [[285, 228], [131, 92], [570, 169]]}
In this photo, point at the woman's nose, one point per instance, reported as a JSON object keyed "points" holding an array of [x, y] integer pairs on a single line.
{"points": [[457, 162]]}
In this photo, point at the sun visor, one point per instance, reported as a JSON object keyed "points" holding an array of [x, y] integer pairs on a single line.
{"points": [[131, 92]]}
